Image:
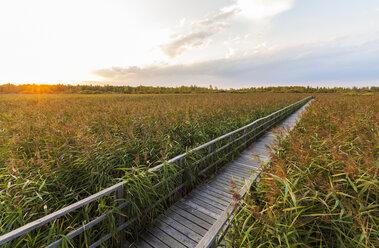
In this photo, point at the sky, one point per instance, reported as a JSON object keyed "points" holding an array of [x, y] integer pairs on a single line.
{"points": [[224, 43]]}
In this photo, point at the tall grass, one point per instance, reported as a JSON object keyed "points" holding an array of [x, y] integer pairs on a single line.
{"points": [[322, 187], [58, 149]]}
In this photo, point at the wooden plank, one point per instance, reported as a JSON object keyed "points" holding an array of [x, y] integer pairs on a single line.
{"points": [[219, 198], [186, 222], [180, 228], [241, 172], [191, 217], [227, 181], [220, 188], [164, 237], [212, 197], [208, 218], [230, 188], [180, 237], [223, 186], [247, 157], [220, 193], [242, 167], [212, 233], [250, 162], [202, 209], [203, 203], [248, 152], [215, 192], [207, 200], [153, 242], [234, 172], [128, 244], [250, 167], [231, 175]]}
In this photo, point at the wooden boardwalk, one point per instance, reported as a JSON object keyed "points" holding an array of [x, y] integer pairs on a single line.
{"points": [[193, 219]]}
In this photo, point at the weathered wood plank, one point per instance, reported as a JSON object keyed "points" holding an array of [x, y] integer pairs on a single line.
{"points": [[202, 209], [212, 196], [220, 193], [227, 181], [208, 200], [180, 237], [225, 187], [250, 162], [186, 222], [214, 230], [191, 216], [220, 188], [208, 218], [164, 237], [231, 172], [230, 175], [180, 227], [147, 240], [148, 244], [203, 203], [235, 173], [250, 167], [241, 166], [238, 171]]}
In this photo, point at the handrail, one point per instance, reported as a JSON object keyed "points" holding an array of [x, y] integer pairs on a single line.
{"points": [[118, 188]]}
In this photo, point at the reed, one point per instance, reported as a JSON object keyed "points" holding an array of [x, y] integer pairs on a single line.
{"points": [[58, 149], [322, 187]]}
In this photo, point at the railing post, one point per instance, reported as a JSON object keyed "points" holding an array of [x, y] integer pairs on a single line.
{"points": [[211, 149], [254, 131], [180, 163], [120, 194], [231, 140]]}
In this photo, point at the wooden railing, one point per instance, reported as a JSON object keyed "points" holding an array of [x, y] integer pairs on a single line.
{"points": [[213, 153]]}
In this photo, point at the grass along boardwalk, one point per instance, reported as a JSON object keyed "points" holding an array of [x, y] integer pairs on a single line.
{"points": [[197, 219], [174, 178]]}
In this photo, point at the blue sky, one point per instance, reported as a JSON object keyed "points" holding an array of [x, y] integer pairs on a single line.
{"points": [[226, 43]]}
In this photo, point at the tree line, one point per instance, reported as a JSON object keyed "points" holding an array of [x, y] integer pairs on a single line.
{"points": [[109, 89]]}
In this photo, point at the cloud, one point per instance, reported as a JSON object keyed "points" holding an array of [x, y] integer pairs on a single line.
{"points": [[221, 17], [192, 39], [326, 64], [261, 9], [200, 32]]}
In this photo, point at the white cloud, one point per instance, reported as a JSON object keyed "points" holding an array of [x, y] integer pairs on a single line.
{"points": [[192, 39], [261, 9], [200, 33], [202, 30], [221, 17]]}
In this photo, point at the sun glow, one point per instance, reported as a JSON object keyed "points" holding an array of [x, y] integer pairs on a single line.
{"points": [[51, 42]]}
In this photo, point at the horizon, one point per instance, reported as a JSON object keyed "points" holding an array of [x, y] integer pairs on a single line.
{"points": [[199, 87], [227, 44]]}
